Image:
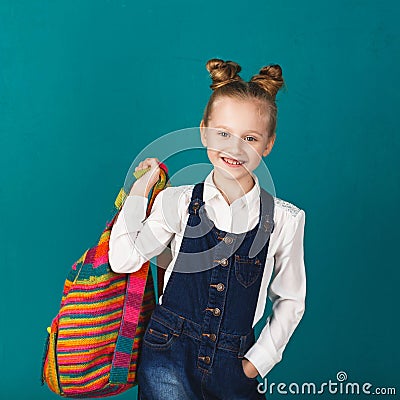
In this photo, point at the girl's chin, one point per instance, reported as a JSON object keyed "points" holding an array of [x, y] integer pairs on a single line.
{"points": [[227, 172]]}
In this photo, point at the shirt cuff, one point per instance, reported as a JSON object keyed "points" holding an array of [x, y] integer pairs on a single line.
{"points": [[258, 355]]}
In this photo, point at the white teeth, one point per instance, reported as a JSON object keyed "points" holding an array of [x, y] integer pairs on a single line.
{"points": [[230, 161]]}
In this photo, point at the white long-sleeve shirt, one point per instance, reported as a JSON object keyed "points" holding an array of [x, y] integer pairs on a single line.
{"points": [[135, 239]]}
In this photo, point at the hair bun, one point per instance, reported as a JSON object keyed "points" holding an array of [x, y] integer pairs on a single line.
{"points": [[222, 72], [269, 78]]}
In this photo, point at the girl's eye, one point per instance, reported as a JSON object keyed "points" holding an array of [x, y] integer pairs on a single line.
{"points": [[226, 134]]}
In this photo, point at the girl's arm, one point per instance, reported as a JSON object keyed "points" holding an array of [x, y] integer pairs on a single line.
{"points": [[134, 238], [287, 291]]}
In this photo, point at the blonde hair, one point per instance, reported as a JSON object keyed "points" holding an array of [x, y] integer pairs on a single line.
{"points": [[262, 87]]}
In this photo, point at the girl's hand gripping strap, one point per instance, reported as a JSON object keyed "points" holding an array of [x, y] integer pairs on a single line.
{"points": [[134, 295]]}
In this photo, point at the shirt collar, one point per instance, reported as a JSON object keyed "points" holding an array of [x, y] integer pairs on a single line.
{"points": [[211, 191]]}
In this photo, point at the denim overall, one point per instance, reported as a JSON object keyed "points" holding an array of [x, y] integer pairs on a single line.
{"points": [[195, 341]]}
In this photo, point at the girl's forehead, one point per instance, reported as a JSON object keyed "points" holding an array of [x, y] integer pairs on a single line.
{"points": [[243, 114]]}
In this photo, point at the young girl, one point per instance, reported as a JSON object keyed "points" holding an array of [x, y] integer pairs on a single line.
{"points": [[233, 245]]}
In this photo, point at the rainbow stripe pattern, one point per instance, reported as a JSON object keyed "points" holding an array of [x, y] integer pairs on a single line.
{"points": [[93, 344]]}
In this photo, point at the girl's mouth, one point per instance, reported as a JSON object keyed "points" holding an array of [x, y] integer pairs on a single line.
{"points": [[232, 162]]}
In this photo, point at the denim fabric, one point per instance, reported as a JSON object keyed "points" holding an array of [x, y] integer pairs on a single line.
{"points": [[194, 344]]}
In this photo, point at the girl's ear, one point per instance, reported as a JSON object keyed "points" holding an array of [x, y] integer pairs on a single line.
{"points": [[270, 144], [203, 135]]}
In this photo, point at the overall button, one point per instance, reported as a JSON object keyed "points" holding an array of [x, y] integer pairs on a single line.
{"points": [[206, 359], [228, 240], [224, 262], [213, 337], [215, 311], [220, 287], [196, 206]]}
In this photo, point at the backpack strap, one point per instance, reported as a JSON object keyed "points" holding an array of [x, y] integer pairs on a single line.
{"points": [[133, 300]]}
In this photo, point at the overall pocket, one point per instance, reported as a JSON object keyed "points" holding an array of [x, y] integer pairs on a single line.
{"points": [[247, 269], [159, 335], [242, 373]]}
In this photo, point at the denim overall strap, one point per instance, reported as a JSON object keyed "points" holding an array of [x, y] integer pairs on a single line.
{"points": [[267, 224], [199, 228], [196, 200]]}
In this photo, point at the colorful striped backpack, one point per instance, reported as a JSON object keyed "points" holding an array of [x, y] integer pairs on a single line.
{"points": [[93, 344]]}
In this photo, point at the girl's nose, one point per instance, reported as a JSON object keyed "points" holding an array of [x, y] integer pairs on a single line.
{"points": [[236, 147]]}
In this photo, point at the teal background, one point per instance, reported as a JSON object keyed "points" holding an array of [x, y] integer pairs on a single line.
{"points": [[85, 85]]}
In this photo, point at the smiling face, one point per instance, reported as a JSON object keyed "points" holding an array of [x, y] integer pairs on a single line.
{"points": [[236, 137]]}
